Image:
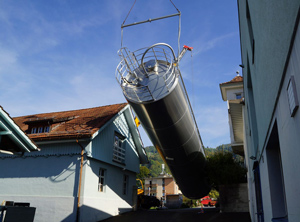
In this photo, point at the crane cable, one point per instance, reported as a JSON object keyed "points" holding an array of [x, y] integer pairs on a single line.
{"points": [[179, 24], [192, 70], [179, 27], [124, 23]]}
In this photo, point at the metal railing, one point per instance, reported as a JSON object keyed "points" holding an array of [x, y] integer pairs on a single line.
{"points": [[131, 71]]}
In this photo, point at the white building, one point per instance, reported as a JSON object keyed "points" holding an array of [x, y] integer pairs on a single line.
{"points": [[270, 50], [233, 93], [86, 169], [161, 186]]}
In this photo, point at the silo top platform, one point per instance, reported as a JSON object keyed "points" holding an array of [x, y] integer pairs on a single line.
{"points": [[147, 74]]}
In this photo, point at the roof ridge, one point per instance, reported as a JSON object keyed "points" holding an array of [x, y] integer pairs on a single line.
{"points": [[70, 110], [87, 122], [236, 79]]}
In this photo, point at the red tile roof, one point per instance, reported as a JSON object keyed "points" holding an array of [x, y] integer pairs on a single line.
{"points": [[81, 123], [234, 80]]}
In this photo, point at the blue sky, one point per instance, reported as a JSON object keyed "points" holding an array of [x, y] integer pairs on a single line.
{"points": [[62, 54]]}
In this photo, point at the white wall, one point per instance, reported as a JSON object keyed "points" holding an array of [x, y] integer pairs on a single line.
{"points": [[100, 205], [289, 131], [231, 93], [48, 183], [289, 139]]}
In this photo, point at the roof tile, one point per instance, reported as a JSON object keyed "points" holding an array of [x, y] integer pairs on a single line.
{"points": [[234, 80], [69, 124]]}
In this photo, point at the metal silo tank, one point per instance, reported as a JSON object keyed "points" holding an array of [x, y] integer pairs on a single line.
{"points": [[152, 84]]}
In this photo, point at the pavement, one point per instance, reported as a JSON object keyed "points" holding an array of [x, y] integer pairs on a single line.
{"points": [[176, 215]]}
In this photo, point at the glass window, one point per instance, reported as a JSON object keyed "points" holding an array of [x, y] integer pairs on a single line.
{"points": [[125, 184], [238, 96], [33, 130], [292, 96], [40, 129], [46, 129], [119, 150], [101, 184]]}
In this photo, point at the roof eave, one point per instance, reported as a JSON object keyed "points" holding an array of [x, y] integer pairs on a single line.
{"points": [[27, 145]]}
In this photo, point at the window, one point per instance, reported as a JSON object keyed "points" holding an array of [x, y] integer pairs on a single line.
{"points": [[238, 96], [101, 184], [119, 150], [46, 129], [33, 130], [40, 129], [125, 184], [292, 96]]}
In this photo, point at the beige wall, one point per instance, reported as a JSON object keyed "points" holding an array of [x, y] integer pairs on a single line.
{"points": [[157, 188]]}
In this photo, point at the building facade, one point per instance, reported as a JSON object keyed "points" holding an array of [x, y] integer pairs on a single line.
{"points": [[270, 51], [233, 93], [86, 168], [161, 186]]}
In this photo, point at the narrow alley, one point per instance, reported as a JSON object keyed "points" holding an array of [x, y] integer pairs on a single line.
{"points": [[179, 215]]}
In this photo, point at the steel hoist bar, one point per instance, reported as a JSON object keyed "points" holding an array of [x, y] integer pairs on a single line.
{"points": [[150, 20]]}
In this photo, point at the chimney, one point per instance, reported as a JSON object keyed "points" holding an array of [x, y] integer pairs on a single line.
{"points": [[162, 169]]}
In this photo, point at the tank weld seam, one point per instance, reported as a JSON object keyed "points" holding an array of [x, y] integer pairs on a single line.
{"points": [[167, 126]]}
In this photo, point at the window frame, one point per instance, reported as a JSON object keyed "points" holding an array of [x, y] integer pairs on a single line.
{"points": [[292, 96], [125, 184], [101, 180], [33, 130], [40, 129], [119, 151], [46, 129], [238, 96]]}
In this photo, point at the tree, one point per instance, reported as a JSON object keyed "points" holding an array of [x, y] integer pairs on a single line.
{"points": [[213, 194], [144, 172], [209, 151], [223, 169], [155, 168], [155, 162]]}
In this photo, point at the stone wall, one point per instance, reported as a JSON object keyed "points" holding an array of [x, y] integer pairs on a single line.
{"points": [[174, 201], [234, 198]]}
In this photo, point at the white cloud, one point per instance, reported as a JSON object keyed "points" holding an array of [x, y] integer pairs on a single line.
{"points": [[213, 124], [206, 45], [65, 58]]}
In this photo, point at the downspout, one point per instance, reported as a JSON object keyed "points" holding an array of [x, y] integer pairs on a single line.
{"points": [[79, 183]]}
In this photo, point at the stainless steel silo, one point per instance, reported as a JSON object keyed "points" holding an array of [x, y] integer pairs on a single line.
{"points": [[151, 82]]}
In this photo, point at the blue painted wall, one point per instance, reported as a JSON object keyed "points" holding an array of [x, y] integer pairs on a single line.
{"points": [[102, 144]]}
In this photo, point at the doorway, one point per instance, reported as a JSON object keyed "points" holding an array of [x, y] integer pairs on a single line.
{"points": [[276, 178]]}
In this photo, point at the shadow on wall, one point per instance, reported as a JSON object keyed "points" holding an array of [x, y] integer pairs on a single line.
{"points": [[55, 168], [99, 216], [55, 176], [115, 183]]}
